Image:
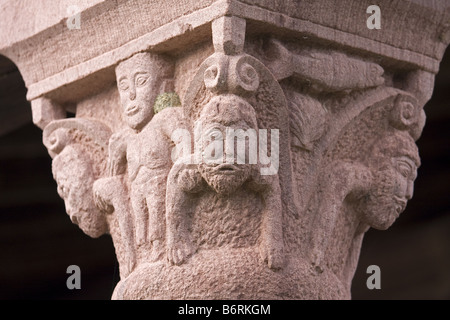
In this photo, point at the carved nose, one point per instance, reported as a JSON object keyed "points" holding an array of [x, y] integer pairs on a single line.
{"points": [[409, 190], [132, 95]]}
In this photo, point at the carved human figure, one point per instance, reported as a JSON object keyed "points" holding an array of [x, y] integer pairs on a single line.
{"points": [[186, 180], [377, 187], [76, 189], [149, 162], [143, 152]]}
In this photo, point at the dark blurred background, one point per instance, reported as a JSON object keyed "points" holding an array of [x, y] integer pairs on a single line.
{"points": [[38, 242]]}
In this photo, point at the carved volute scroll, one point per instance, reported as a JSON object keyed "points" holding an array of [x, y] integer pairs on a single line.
{"points": [[249, 168]]}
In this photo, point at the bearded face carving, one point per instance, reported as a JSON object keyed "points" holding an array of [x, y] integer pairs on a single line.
{"points": [[394, 170], [223, 119]]}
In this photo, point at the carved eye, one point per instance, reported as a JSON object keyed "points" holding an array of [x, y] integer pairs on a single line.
{"points": [[404, 168], [215, 134], [124, 85], [141, 80]]}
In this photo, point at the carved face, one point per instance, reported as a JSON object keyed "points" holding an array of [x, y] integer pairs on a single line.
{"points": [[227, 124], [394, 175], [138, 85], [73, 174], [223, 176]]}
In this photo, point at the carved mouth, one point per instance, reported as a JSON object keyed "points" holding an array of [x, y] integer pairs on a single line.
{"points": [[400, 205], [132, 110], [226, 168]]}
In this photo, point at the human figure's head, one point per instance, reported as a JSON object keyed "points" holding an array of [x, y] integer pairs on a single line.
{"points": [[139, 80], [76, 190], [222, 120], [394, 162]]}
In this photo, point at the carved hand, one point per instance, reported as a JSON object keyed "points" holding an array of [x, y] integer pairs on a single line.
{"points": [[183, 179], [187, 176], [179, 250], [100, 198]]}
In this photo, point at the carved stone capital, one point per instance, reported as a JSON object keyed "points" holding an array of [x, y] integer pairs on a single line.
{"points": [[240, 149]]}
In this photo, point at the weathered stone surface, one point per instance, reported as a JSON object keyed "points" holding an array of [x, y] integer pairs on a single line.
{"points": [[296, 133], [46, 111]]}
